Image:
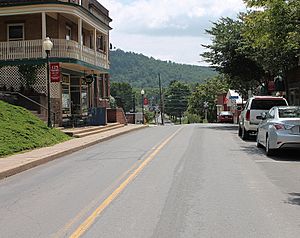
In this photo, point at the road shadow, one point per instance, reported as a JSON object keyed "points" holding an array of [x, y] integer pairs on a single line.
{"points": [[294, 199], [289, 155], [292, 155], [252, 149], [221, 127]]}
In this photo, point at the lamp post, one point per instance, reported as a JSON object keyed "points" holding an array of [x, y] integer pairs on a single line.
{"points": [[47, 45], [142, 93]]}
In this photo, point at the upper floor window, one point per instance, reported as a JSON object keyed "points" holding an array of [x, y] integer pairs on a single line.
{"points": [[68, 33], [15, 32], [100, 43]]}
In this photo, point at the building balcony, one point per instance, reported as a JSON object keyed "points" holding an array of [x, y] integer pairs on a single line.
{"points": [[66, 49]]}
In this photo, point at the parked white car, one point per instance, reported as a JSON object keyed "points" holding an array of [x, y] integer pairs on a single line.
{"points": [[279, 128], [250, 116]]}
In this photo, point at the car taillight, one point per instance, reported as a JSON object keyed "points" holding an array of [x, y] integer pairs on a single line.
{"points": [[279, 126], [248, 115]]}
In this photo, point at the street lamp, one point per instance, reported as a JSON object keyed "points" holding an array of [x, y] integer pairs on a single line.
{"points": [[47, 45], [142, 93]]}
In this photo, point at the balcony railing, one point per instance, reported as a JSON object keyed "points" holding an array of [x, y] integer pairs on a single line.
{"points": [[32, 49]]}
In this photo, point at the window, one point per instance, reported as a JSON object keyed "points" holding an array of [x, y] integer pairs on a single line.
{"points": [[289, 113], [15, 32], [68, 33], [100, 43], [267, 104], [84, 97], [271, 114], [66, 99]]}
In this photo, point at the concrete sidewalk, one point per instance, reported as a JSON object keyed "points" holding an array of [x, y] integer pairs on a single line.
{"points": [[20, 162]]}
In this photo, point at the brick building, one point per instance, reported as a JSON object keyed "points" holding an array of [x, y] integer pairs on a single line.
{"points": [[79, 31]]}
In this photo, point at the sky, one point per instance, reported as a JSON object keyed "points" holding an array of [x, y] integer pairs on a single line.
{"points": [[167, 29]]}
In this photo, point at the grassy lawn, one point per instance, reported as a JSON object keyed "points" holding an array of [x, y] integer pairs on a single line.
{"points": [[20, 130]]}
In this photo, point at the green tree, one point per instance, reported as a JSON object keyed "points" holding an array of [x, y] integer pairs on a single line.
{"points": [[230, 56], [142, 71], [259, 45], [272, 30], [207, 92], [176, 99], [122, 93]]}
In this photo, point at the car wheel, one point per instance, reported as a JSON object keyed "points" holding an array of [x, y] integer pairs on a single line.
{"points": [[244, 134], [269, 151], [240, 131]]}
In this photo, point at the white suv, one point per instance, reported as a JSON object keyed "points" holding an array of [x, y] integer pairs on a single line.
{"points": [[251, 115]]}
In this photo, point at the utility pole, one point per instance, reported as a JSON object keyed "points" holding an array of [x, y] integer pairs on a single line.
{"points": [[133, 103], [161, 101], [205, 104]]}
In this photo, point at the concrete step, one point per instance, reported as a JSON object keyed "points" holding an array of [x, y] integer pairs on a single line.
{"points": [[90, 130]]}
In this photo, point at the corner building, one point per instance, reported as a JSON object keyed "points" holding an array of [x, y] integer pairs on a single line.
{"points": [[79, 31]]}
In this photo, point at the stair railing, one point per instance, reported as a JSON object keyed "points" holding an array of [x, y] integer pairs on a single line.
{"points": [[31, 100]]}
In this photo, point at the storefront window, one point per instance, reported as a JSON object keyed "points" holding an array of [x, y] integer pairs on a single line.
{"points": [[66, 99], [84, 97]]}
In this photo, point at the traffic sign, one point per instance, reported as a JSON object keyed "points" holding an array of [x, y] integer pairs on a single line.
{"points": [[146, 102], [233, 97]]}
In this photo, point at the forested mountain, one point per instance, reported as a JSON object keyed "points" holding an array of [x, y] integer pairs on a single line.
{"points": [[141, 71]]}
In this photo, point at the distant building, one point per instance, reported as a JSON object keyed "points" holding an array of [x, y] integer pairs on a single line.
{"points": [[79, 30], [230, 101]]}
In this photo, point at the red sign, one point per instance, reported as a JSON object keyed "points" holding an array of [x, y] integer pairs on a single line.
{"points": [[146, 101], [225, 101], [54, 72]]}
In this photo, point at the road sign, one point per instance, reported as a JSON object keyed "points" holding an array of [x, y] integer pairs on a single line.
{"points": [[205, 104], [233, 101]]}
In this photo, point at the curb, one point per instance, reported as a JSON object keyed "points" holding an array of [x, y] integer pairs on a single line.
{"points": [[32, 164]]}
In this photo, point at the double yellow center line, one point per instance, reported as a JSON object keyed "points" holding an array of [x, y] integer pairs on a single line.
{"points": [[91, 219]]}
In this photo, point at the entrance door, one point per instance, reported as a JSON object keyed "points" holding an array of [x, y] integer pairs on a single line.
{"points": [[75, 95]]}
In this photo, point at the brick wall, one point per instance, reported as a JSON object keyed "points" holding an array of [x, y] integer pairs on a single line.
{"points": [[116, 115], [130, 118]]}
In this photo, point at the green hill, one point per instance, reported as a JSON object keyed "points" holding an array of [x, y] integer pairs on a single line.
{"points": [[142, 72], [20, 130]]}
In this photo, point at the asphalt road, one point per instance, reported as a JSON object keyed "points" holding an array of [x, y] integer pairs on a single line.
{"points": [[171, 181]]}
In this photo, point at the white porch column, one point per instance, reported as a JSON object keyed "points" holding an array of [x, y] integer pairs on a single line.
{"points": [[80, 36], [44, 31], [95, 43], [107, 49]]}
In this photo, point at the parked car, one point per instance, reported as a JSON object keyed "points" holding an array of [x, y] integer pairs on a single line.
{"points": [[279, 128], [225, 116], [251, 114]]}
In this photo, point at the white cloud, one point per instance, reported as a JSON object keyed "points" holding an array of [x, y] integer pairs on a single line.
{"points": [[162, 27], [184, 49]]}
